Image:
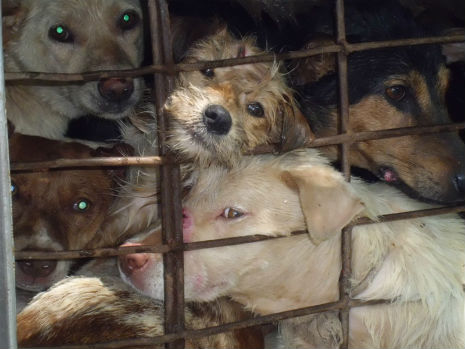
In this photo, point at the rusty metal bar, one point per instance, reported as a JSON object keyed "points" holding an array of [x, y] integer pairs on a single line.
{"points": [[343, 89], [170, 179], [346, 237], [208, 331], [263, 149], [270, 57], [108, 252]]}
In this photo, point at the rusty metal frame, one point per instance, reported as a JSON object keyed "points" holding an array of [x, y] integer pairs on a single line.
{"points": [[163, 69]]}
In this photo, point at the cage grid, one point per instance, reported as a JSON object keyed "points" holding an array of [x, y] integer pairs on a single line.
{"points": [[173, 246]]}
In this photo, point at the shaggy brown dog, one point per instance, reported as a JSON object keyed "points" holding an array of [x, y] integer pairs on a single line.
{"points": [[217, 114]]}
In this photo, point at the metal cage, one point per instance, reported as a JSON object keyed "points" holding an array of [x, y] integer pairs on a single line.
{"points": [[164, 69]]}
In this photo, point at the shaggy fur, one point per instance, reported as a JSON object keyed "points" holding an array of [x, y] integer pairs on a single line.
{"points": [[388, 88], [237, 90], [418, 264], [96, 41], [82, 310], [46, 212]]}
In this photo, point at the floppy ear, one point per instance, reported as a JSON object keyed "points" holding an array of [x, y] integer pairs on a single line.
{"points": [[327, 201], [313, 68], [295, 131]]}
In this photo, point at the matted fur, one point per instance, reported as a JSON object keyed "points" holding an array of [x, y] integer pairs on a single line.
{"points": [[418, 264], [99, 44], [83, 310], [233, 88]]}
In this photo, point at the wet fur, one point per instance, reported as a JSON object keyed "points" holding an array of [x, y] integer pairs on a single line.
{"points": [[45, 110], [417, 264]]}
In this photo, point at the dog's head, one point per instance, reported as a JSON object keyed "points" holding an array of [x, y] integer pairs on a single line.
{"points": [[390, 88], [264, 195], [77, 36], [234, 109], [56, 210]]}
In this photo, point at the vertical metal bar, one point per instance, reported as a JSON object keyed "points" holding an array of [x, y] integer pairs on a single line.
{"points": [[7, 261], [346, 241], [170, 191], [343, 88], [344, 283]]}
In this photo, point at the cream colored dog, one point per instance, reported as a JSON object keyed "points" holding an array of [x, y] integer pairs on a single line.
{"points": [[70, 36], [418, 264]]}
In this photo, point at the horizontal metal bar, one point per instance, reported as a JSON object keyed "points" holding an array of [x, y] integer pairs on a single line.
{"points": [[172, 69], [163, 248], [263, 149], [261, 320], [90, 162]]}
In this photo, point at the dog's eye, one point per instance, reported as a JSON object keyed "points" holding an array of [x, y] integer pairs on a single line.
{"points": [[396, 92], [209, 72], [128, 20], [255, 109], [60, 33], [231, 213], [14, 189], [81, 205]]}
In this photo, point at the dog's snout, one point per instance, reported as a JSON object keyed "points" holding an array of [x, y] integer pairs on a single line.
{"points": [[133, 261], [37, 268], [116, 90], [217, 119], [459, 182]]}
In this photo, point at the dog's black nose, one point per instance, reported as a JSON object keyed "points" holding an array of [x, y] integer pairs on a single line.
{"points": [[459, 181], [37, 268], [217, 119], [116, 90]]}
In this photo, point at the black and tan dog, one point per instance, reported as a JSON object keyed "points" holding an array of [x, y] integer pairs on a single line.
{"points": [[388, 88]]}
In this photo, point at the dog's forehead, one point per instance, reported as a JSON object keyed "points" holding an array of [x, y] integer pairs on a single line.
{"points": [[92, 10]]}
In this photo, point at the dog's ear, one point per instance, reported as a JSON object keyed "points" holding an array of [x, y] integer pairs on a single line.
{"points": [[313, 68], [327, 201], [295, 131], [454, 51], [119, 149], [13, 15]]}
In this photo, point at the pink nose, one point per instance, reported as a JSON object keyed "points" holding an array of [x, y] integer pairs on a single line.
{"points": [[133, 261], [116, 90]]}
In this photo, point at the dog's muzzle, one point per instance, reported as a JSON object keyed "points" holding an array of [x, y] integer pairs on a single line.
{"points": [[115, 89]]}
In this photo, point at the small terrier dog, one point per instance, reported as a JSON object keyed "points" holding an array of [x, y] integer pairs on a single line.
{"points": [[217, 114]]}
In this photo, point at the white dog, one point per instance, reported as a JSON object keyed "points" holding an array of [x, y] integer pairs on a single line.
{"points": [[70, 36], [417, 264]]}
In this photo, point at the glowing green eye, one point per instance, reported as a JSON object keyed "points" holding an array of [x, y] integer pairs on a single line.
{"points": [[60, 33], [81, 205], [128, 20]]}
